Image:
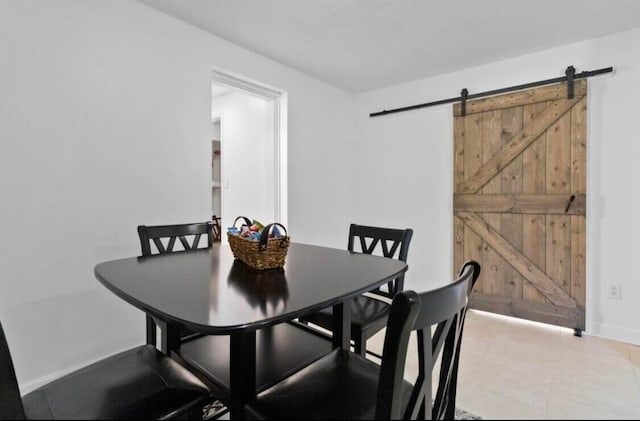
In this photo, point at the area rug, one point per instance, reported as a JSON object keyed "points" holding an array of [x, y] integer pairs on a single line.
{"points": [[217, 410], [464, 415]]}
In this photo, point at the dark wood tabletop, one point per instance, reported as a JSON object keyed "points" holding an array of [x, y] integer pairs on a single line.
{"points": [[210, 292]]}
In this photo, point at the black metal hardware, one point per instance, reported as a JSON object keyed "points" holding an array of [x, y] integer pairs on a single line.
{"points": [[571, 199], [570, 73], [577, 332], [581, 75], [463, 104]]}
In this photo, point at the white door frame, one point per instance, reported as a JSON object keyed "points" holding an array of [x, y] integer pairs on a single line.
{"points": [[279, 99]]}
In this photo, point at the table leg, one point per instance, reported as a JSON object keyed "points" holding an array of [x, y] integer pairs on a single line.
{"points": [[342, 325], [242, 372], [169, 337]]}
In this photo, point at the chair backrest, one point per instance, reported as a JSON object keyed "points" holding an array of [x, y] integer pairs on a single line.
{"points": [[387, 242], [445, 309], [10, 401], [156, 233]]}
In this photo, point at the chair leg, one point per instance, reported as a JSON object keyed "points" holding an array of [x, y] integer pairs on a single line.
{"points": [[360, 345], [151, 331]]}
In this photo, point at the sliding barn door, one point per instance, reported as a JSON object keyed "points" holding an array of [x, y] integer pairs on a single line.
{"points": [[519, 202]]}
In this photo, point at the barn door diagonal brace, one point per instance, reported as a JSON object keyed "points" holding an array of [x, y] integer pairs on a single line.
{"points": [[570, 77]]}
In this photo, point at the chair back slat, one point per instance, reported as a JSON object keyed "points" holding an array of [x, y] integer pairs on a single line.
{"points": [[196, 241], [394, 244], [10, 401], [423, 385], [160, 246], [402, 315]]}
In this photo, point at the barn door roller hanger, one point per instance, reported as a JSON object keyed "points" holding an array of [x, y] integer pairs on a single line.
{"points": [[569, 77]]}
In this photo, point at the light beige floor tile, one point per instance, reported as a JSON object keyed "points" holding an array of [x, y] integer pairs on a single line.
{"points": [[503, 388], [592, 345], [592, 358], [589, 399], [482, 324], [607, 380], [634, 356], [499, 403], [537, 371], [376, 342], [411, 368]]}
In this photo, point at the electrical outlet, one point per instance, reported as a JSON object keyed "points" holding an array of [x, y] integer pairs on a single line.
{"points": [[615, 291]]}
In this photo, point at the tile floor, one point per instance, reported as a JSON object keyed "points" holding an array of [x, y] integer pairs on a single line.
{"points": [[510, 369]]}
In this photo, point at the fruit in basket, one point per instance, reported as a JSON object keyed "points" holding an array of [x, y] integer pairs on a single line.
{"points": [[275, 232], [256, 226]]}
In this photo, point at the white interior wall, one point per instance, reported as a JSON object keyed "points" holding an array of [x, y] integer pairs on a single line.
{"points": [[247, 157], [407, 158], [216, 130], [105, 123]]}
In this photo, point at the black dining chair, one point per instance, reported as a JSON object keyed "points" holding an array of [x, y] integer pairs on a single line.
{"points": [[140, 383], [164, 238], [344, 385], [369, 312]]}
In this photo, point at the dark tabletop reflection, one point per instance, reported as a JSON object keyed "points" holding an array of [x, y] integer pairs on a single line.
{"points": [[266, 289], [207, 291]]}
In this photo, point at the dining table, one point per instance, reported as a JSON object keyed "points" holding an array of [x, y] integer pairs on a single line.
{"points": [[210, 292]]}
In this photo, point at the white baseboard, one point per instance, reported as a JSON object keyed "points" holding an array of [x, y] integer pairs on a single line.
{"points": [[630, 336]]}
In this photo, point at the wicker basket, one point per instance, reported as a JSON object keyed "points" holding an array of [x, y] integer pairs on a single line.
{"points": [[268, 253]]}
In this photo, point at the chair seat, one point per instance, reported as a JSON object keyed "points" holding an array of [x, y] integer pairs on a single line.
{"points": [[134, 384], [341, 385], [366, 313], [281, 350]]}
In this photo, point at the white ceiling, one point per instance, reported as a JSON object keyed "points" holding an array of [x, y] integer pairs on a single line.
{"points": [[360, 45]]}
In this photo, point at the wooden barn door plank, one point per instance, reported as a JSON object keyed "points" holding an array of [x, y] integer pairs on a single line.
{"points": [[578, 186], [472, 159], [458, 177], [559, 181], [492, 263], [534, 178], [511, 223]]}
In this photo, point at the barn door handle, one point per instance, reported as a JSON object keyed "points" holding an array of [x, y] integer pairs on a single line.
{"points": [[571, 199]]}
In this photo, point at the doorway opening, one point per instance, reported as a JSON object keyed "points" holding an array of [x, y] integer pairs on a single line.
{"points": [[248, 160]]}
